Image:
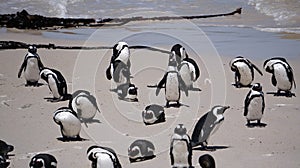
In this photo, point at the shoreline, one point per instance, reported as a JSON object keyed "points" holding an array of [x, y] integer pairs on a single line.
{"points": [[26, 118]]}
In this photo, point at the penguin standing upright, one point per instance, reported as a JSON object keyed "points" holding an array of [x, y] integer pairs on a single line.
{"points": [[172, 82], [103, 157], [56, 83], [187, 67], [254, 104], [244, 71], [69, 123], [32, 66], [43, 160], [282, 75], [180, 148], [119, 66], [207, 125], [84, 104]]}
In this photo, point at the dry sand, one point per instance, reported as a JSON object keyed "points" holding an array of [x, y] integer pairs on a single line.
{"points": [[26, 118]]}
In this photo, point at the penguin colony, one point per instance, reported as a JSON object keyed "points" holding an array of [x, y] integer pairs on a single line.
{"points": [[181, 73]]}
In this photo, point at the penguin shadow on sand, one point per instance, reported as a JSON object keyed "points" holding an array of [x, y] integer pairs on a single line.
{"points": [[282, 94], [211, 148], [256, 125]]}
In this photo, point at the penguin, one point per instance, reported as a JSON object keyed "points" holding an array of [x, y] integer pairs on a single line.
{"points": [[141, 150], [180, 148], [32, 66], [172, 82], [282, 75], [127, 92], [43, 160], [207, 125], [207, 161], [103, 157], [244, 71], [56, 83], [84, 104], [119, 72], [187, 67], [69, 123], [120, 57], [254, 104], [4, 150], [3, 162], [153, 114]]}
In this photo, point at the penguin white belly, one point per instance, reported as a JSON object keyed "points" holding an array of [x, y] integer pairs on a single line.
{"points": [[104, 160], [32, 71], [281, 76], [255, 109], [245, 72], [71, 125], [180, 153], [172, 87], [186, 75], [53, 86], [88, 111]]}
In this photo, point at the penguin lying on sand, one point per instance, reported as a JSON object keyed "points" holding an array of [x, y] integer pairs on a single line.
{"points": [[153, 114], [43, 160], [141, 150], [103, 157]]}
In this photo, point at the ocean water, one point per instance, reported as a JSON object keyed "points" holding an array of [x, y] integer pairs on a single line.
{"points": [[263, 15]]}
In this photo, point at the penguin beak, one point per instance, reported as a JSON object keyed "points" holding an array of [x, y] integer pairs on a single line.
{"points": [[226, 107]]}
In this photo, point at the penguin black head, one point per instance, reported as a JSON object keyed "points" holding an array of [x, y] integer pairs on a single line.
{"points": [[180, 129], [5, 149], [132, 90], [219, 110], [257, 87], [32, 49], [207, 161], [179, 52]]}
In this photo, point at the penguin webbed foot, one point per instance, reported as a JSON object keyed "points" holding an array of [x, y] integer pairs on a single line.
{"points": [[70, 139], [286, 93], [257, 124]]}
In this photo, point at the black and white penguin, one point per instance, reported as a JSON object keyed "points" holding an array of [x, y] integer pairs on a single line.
{"points": [[127, 92], [153, 114], [43, 160], [5, 149], [3, 162], [103, 157], [207, 161], [119, 72], [244, 71], [141, 150], [120, 61], [187, 67], [69, 123], [207, 125], [180, 148], [172, 82], [254, 104], [84, 104], [282, 75], [32, 65], [56, 83]]}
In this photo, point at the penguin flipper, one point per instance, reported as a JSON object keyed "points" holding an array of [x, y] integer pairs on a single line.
{"points": [[161, 84], [21, 68], [259, 71], [274, 82], [108, 75], [246, 103]]}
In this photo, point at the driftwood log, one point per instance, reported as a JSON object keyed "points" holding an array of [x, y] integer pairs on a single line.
{"points": [[6, 45], [24, 20]]}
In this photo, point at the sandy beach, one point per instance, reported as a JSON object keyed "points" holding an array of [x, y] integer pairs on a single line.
{"points": [[26, 118]]}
